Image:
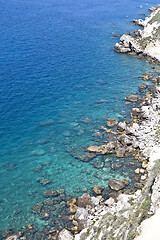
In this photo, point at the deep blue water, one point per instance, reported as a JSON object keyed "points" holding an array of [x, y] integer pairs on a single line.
{"points": [[57, 61]]}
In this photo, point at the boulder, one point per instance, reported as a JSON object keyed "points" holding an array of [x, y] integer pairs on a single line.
{"points": [[116, 184], [111, 122], [84, 200], [116, 35], [152, 9], [120, 152], [109, 202], [132, 98], [153, 91], [65, 235], [138, 22], [143, 85], [138, 185], [98, 190], [121, 126], [93, 148], [81, 214], [125, 140], [121, 49], [135, 112], [95, 201]]}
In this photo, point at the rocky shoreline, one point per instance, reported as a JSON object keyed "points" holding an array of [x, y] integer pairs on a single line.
{"points": [[121, 213], [145, 43], [120, 217]]}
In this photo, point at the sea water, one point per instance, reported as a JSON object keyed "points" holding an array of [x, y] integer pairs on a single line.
{"points": [[59, 82]]}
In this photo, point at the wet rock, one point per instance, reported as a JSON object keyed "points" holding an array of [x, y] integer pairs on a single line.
{"points": [[44, 216], [138, 22], [114, 195], [125, 140], [121, 48], [153, 91], [103, 149], [147, 76], [65, 235], [116, 165], [116, 35], [111, 122], [6, 233], [48, 202], [121, 126], [44, 181], [143, 85], [98, 164], [120, 152], [84, 200], [98, 190], [116, 184], [54, 193], [135, 112], [132, 98], [152, 9], [14, 236], [97, 134], [93, 148], [79, 153], [73, 208], [37, 207], [125, 181], [138, 185]]}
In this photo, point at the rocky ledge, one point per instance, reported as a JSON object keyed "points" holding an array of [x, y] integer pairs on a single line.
{"points": [[145, 43]]}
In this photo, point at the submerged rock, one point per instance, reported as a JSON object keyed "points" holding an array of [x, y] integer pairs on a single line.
{"points": [[111, 122], [132, 98], [147, 76], [44, 181], [116, 165], [116, 184]]}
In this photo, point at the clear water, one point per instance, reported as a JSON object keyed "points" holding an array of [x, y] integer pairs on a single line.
{"points": [[57, 61]]}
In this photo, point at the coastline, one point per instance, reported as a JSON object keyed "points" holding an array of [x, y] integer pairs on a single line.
{"points": [[93, 213], [145, 43], [129, 216]]}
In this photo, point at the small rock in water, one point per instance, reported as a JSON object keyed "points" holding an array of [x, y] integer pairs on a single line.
{"points": [[111, 122], [132, 98], [44, 181], [37, 207], [86, 120], [116, 165], [116, 184], [98, 190]]}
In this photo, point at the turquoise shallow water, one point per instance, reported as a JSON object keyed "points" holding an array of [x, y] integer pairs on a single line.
{"points": [[57, 62]]}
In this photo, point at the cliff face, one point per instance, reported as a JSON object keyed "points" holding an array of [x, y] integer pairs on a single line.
{"points": [[146, 42]]}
